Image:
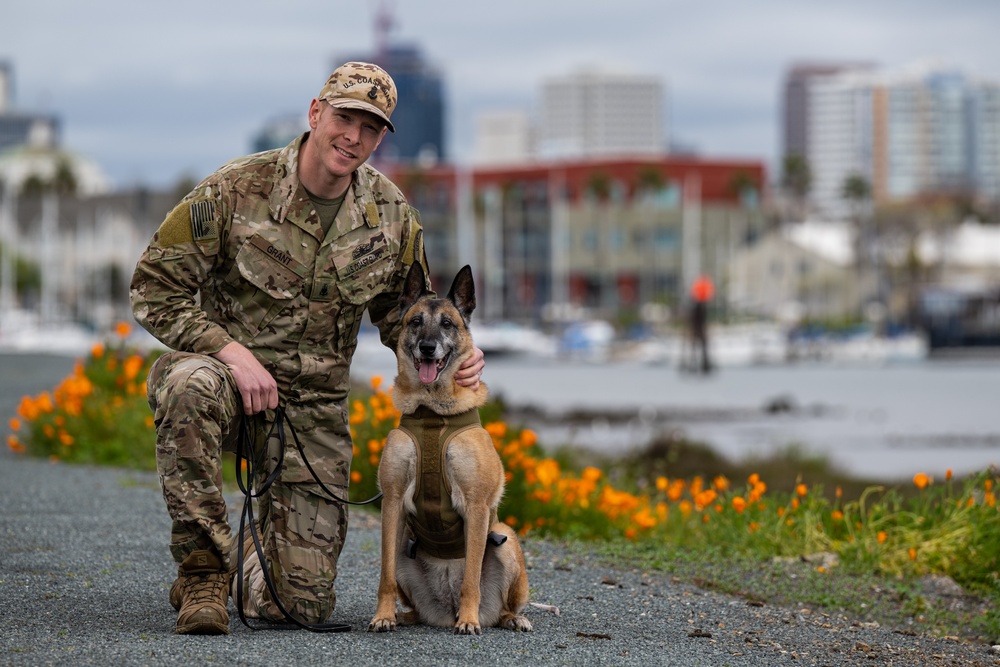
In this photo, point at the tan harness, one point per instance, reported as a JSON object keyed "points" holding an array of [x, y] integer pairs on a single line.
{"points": [[437, 528]]}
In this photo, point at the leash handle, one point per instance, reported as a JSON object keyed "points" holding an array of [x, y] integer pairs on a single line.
{"points": [[245, 444]]}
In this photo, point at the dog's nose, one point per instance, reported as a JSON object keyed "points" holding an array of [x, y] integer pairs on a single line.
{"points": [[427, 349]]}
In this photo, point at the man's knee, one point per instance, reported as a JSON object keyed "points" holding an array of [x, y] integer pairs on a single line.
{"points": [[192, 383], [309, 532]]}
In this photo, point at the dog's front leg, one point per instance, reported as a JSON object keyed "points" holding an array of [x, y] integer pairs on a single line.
{"points": [[477, 525], [393, 476], [385, 611]]}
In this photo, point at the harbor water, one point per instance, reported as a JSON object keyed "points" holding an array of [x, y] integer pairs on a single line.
{"points": [[880, 422]]}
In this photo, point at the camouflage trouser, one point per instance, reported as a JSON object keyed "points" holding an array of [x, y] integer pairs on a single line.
{"points": [[198, 412]]}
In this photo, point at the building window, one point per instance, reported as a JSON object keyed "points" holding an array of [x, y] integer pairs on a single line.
{"points": [[665, 239]]}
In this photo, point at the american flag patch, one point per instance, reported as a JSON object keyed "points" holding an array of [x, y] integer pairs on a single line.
{"points": [[203, 225]]}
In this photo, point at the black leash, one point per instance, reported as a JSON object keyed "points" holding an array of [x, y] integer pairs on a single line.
{"points": [[245, 445]]}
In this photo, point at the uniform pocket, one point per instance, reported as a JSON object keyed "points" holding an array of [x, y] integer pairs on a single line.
{"points": [[269, 280], [364, 264]]}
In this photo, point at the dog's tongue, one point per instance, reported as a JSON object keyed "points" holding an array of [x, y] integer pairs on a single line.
{"points": [[428, 371]]}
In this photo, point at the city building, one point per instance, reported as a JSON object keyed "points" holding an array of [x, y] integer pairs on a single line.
{"points": [[925, 128], [605, 235], [598, 113], [504, 137], [796, 101], [278, 132], [801, 271], [18, 128], [84, 247], [419, 113]]}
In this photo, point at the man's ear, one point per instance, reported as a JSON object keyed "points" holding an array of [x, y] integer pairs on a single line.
{"points": [[314, 111]]}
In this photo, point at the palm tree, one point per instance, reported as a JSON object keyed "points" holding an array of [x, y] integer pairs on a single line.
{"points": [[741, 185], [796, 180], [857, 191]]}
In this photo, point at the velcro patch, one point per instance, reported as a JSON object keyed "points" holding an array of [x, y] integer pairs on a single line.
{"points": [[323, 290], [371, 212], [176, 228], [203, 225]]}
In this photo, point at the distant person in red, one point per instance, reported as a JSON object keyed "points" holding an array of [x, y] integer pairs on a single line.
{"points": [[702, 291]]}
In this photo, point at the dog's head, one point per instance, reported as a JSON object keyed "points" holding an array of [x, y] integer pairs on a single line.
{"points": [[435, 335]]}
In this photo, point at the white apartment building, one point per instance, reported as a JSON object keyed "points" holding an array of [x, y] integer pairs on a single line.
{"points": [[504, 137], [924, 128], [600, 113]]}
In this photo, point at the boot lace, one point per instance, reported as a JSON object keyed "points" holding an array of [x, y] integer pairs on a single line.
{"points": [[205, 587]]}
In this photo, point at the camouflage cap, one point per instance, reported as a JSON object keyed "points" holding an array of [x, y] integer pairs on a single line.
{"points": [[361, 86]]}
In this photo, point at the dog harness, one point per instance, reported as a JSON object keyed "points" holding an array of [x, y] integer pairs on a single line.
{"points": [[438, 529]]}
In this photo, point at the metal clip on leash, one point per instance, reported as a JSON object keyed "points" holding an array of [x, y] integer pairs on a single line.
{"points": [[245, 445]]}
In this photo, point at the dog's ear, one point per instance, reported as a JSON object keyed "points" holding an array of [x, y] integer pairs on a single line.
{"points": [[463, 293], [414, 288]]}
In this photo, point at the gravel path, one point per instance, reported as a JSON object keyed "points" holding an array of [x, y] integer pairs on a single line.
{"points": [[84, 575]]}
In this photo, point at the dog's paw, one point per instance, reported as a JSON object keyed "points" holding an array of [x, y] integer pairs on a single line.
{"points": [[382, 625], [516, 623], [468, 628]]}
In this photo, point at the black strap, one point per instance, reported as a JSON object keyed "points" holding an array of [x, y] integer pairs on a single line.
{"points": [[246, 451]]}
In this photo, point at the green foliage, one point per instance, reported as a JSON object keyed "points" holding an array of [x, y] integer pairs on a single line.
{"points": [[98, 415]]}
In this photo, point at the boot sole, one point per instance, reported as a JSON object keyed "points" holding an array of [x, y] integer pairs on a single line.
{"points": [[202, 629]]}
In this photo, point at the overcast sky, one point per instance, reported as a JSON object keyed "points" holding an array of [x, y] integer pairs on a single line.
{"points": [[153, 91]]}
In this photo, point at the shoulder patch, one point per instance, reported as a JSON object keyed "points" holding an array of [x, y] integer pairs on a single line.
{"points": [[203, 225], [176, 228]]}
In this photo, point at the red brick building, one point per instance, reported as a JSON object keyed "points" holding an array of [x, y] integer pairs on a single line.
{"points": [[606, 234]]}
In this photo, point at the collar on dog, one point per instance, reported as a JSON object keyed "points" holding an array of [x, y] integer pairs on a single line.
{"points": [[438, 529]]}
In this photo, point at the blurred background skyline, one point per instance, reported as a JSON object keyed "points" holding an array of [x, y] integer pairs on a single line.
{"points": [[824, 165], [154, 93]]}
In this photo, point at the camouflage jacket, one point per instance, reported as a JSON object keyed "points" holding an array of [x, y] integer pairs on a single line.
{"points": [[243, 258]]}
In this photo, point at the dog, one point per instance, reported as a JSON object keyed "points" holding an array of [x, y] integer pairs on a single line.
{"points": [[445, 555]]}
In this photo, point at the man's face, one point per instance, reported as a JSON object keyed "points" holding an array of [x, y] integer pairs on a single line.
{"points": [[344, 138]]}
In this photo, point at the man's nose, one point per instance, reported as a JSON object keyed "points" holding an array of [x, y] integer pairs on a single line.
{"points": [[353, 132]]}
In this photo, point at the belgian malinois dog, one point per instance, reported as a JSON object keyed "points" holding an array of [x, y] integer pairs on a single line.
{"points": [[445, 556]]}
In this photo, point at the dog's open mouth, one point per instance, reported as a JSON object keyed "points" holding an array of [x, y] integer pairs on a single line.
{"points": [[428, 369]]}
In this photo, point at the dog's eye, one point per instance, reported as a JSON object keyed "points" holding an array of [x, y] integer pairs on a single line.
{"points": [[446, 323], [417, 321]]}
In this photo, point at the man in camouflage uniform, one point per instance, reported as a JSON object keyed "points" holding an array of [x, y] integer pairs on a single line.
{"points": [[258, 281]]}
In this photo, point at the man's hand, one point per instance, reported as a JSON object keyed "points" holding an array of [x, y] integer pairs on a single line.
{"points": [[468, 373], [257, 388]]}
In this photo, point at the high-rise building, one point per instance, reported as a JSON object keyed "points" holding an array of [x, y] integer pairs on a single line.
{"points": [[21, 128], [795, 100], [599, 113], [504, 137], [419, 113], [925, 128], [279, 131]]}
